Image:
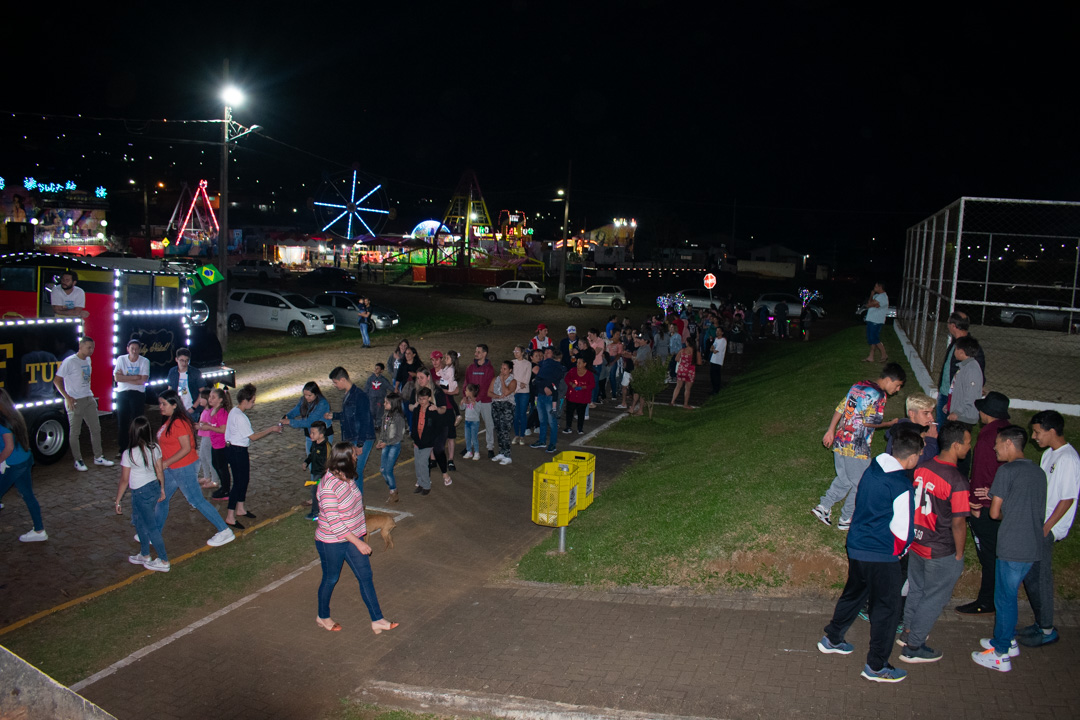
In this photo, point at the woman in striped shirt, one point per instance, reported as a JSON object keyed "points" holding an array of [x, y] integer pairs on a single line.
{"points": [[339, 537]]}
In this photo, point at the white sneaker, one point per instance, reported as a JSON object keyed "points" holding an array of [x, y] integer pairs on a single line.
{"points": [[476, 456], [468, 456], [505, 461], [528, 432], [158, 565], [81, 466], [1014, 648], [225, 536], [100, 460], [498, 458], [138, 559], [34, 536], [137, 538], [990, 659]]}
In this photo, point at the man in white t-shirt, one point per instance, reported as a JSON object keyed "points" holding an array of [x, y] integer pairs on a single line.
{"points": [[187, 381], [69, 300], [131, 373], [877, 310], [1062, 467], [72, 380], [716, 360]]}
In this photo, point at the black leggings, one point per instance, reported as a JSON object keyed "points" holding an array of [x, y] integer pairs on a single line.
{"points": [[579, 409], [240, 463], [221, 467]]}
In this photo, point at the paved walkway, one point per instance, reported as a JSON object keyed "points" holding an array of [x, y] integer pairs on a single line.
{"points": [[471, 639]]}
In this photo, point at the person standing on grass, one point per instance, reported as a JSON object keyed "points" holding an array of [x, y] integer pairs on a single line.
{"points": [[15, 463], [920, 412], [685, 372], [72, 381], [339, 538], [716, 359], [141, 471], [881, 531], [1018, 498], [480, 373], [579, 387], [994, 415], [179, 461], [861, 412], [877, 311], [1061, 465], [355, 419], [131, 373], [937, 554], [957, 327], [238, 438]]}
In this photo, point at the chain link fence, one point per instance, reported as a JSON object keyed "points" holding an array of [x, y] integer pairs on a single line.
{"points": [[1012, 266]]}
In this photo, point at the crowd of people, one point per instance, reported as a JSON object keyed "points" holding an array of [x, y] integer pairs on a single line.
{"points": [[908, 510]]}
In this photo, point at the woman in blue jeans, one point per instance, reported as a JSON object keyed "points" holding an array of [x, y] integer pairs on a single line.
{"points": [[339, 538], [390, 437], [142, 472], [15, 455]]}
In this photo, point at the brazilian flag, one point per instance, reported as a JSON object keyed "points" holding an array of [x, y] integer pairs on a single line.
{"points": [[205, 276]]}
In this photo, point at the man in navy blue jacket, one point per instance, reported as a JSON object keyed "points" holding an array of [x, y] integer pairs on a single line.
{"points": [[355, 419], [881, 531]]}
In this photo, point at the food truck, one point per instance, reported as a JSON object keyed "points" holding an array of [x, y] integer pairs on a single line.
{"points": [[126, 298]]}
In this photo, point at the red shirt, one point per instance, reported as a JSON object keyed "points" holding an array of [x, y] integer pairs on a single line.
{"points": [[941, 493], [170, 443], [579, 387], [984, 462]]}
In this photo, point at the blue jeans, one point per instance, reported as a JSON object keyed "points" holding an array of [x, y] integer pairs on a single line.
{"points": [[364, 333], [1008, 576], [186, 480], [386, 467], [143, 503], [549, 420], [332, 556], [361, 463], [596, 370], [472, 436], [19, 476], [521, 414]]}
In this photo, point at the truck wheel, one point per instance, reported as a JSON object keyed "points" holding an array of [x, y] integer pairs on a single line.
{"points": [[49, 437], [296, 329], [236, 323], [616, 304]]}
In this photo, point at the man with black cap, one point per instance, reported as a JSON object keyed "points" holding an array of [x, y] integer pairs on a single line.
{"points": [[994, 415]]}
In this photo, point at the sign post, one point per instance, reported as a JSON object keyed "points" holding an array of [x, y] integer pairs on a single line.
{"points": [[710, 281]]}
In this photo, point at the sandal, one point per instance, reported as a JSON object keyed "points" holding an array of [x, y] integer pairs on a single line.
{"points": [[447, 480], [335, 628]]}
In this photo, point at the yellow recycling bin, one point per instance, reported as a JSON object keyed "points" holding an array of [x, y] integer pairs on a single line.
{"points": [[555, 494], [587, 463]]}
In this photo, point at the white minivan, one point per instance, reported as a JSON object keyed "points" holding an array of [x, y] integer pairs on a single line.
{"points": [[288, 312]]}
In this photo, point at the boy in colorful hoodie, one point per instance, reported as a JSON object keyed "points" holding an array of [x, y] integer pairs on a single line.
{"points": [[881, 531]]}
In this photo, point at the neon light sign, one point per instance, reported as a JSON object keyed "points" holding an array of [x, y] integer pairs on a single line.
{"points": [[1, 183], [32, 184], [101, 192]]}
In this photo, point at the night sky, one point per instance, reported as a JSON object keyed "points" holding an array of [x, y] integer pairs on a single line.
{"points": [[825, 122]]}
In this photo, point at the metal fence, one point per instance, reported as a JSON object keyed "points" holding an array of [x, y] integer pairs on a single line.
{"points": [[1012, 266]]}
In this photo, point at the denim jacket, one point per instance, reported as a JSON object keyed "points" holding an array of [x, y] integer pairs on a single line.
{"points": [[355, 417], [317, 413]]}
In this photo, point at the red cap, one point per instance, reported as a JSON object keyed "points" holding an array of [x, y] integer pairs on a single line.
{"points": [[540, 327]]}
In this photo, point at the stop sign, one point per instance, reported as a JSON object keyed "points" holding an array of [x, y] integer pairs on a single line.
{"points": [[710, 281]]}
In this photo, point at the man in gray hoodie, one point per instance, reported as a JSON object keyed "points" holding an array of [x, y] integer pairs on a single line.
{"points": [[967, 383]]}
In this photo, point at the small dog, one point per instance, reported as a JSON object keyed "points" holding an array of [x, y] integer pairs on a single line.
{"points": [[383, 523]]}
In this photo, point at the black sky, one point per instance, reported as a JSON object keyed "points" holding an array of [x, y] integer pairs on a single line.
{"points": [[827, 122]]}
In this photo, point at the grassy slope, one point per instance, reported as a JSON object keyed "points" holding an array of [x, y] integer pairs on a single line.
{"points": [[722, 497]]}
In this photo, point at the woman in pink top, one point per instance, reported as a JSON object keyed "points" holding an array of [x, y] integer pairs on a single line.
{"points": [[212, 422], [339, 537]]}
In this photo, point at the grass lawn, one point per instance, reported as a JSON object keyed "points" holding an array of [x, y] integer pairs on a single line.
{"points": [[259, 344], [722, 496], [115, 625]]}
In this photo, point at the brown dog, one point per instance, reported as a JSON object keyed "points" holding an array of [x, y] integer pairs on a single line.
{"points": [[383, 523]]}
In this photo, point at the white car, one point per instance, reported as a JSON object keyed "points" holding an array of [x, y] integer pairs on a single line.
{"points": [[270, 310], [525, 291], [611, 296], [794, 305], [701, 298]]}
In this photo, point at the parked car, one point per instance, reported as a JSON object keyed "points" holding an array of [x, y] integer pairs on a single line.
{"points": [[611, 296], [793, 302], [328, 277], [700, 298], [261, 269], [345, 306], [271, 310], [525, 291], [860, 312], [1047, 317]]}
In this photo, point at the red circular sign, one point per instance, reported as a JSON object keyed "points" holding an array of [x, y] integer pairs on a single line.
{"points": [[710, 281]]}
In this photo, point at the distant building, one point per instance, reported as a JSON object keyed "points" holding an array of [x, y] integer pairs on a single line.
{"points": [[777, 254]]}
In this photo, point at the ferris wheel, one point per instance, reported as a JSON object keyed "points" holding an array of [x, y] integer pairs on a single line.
{"points": [[351, 205]]}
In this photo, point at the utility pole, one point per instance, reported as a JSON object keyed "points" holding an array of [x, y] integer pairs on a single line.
{"points": [[223, 229], [566, 238]]}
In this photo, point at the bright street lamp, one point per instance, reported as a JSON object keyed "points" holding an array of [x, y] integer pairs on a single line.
{"points": [[232, 96]]}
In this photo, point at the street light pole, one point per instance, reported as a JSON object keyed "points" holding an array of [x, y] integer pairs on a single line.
{"points": [[566, 239], [223, 229]]}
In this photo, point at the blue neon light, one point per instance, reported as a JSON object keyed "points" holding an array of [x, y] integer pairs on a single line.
{"points": [[1, 183], [32, 184], [356, 206], [101, 192]]}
